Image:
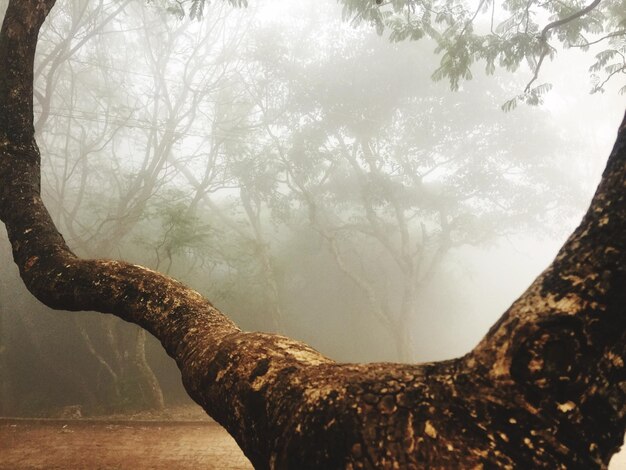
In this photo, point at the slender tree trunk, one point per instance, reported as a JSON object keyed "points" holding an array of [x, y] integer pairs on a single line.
{"points": [[111, 374], [543, 389], [404, 349], [151, 389], [35, 338]]}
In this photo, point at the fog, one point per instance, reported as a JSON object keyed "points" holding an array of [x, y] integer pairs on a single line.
{"points": [[305, 174]]}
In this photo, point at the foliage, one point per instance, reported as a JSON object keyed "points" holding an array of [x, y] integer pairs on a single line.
{"points": [[274, 165], [504, 36], [193, 8]]}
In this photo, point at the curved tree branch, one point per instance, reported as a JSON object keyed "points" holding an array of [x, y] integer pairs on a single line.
{"points": [[543, 37], [567, 19], [599, 40], [543, 389]]}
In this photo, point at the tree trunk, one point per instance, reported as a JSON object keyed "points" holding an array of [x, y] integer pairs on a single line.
{"points": [[151, 389], [543, 389]]}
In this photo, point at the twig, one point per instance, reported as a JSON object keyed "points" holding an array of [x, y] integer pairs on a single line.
{"points": [[612, 35], [543, 37]]}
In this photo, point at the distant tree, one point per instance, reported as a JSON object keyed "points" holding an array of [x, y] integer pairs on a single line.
{"points": [[543, 389], [360, 149], [98, 202]]}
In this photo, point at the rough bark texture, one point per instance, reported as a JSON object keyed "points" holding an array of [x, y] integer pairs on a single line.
{"points": [[544, 389]]}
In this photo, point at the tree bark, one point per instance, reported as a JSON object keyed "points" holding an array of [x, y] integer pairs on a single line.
{"points": [[544, 389]]}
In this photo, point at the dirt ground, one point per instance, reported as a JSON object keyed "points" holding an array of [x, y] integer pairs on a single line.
{"points": [[102, 444], [113, 444]]}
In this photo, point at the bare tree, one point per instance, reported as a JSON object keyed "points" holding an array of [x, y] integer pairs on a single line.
{"points": [[156, 120]]}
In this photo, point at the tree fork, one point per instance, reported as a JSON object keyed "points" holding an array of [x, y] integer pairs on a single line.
{"points": [[545, 388]]}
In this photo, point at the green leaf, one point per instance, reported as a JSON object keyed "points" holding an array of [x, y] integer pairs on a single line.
{"points": [[510, 105]]}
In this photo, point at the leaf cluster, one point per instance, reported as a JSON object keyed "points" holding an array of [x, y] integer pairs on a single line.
{"points": [[505, 36], [194, 9]]}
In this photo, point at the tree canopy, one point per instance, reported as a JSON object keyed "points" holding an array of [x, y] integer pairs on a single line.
{"points": [[505, 35], [499, 35]]}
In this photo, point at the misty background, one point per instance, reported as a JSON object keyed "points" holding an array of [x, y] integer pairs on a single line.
{"points": [[304, 174]]}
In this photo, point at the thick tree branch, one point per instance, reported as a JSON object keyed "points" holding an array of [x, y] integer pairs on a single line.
{"points": [[544, 389]]}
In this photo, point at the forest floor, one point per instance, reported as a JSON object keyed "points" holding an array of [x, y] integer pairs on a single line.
{"points": [[182, 438], [144, 441]]}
